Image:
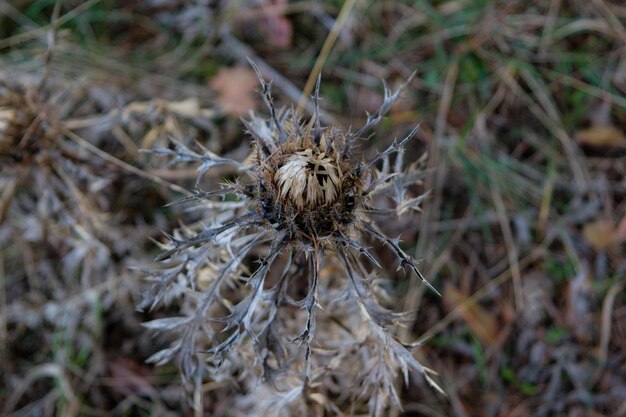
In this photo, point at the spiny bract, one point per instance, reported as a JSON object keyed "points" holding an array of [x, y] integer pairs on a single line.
{"points": [[308, 205]]}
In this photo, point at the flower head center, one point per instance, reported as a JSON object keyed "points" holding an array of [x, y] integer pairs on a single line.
{"points": [[309, 179]]}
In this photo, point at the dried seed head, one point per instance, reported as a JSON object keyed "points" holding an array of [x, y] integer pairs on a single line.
{"points": [[309, 179], [306, 186]]}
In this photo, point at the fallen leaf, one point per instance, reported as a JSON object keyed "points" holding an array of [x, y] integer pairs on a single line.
{"points": [[601, 234], [606, 135], [235, 86], [482, 323]]}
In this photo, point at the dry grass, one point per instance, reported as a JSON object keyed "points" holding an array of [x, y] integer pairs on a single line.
{"points": [[521, 106]]}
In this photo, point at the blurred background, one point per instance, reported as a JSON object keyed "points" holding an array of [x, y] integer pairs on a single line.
{"points": [[522, 114]]}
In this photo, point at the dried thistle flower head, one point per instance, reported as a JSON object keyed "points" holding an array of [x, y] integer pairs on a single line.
{"points": [[304, 195], [306, 186]]}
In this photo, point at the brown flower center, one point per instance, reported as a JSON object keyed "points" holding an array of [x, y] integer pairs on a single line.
{"points": [[309, 179]]}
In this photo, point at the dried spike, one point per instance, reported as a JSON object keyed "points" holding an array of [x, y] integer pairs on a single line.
{"points": [[395, 147], [266, 89], [362, 250], [317, 129], [405, 259], [373, 120]]}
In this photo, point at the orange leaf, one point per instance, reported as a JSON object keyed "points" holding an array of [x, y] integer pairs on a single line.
{"points": [[482, 323]]}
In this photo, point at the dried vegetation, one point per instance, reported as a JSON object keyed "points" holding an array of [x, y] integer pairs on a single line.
{"points": [[522, 112]]}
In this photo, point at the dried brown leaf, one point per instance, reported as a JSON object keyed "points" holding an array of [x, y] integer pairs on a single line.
{"points": [[235, 87], [482, 323], [601, 234]]}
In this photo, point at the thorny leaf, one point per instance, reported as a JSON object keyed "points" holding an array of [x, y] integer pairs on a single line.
{"points": [[373, 119], [207, 159], [168, 323], [165, 355]]}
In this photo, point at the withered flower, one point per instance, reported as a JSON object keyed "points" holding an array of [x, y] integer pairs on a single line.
{"points": [[309, 203]]}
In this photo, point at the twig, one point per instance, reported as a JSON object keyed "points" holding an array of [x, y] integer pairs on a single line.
{"points": [[32, 34], [49, 370], [549, 117], [605, 329], [434, 183], [124, 165], [510, 245], [323, 55], [612, 19], [546, 34]]}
